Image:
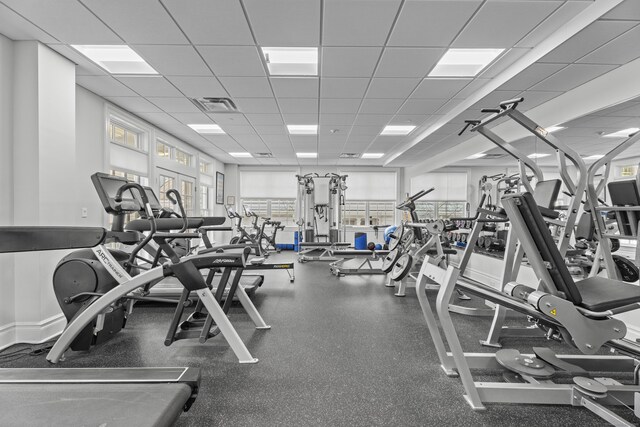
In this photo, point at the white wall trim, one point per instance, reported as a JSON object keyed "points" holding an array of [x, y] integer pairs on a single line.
{"points": [[32, 332]]}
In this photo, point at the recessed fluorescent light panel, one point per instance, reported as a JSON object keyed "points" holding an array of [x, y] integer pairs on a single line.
{"points": [[552, 129], [538, 155], [241, 154], [371, 155], [624, 133], [116, 59], [476, 156], [303, 129], [307, 155], [207, 128], [397, 130], [464, 62], [291, 61]]}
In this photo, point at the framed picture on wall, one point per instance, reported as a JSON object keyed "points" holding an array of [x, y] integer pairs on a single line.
{"points": [[219, 188]]}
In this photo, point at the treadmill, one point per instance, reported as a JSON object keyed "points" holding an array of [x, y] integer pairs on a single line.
{"points": [[96, 396]]}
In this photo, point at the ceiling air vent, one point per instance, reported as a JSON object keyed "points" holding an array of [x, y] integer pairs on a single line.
{"points": [[263, 155], [350, 155], [215, 105]]}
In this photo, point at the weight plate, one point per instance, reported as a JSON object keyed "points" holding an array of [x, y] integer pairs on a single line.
{"points": [[408, 236], [480, 241], [402, 267], [615, 244], [627, 269], [590, 386], [524, 365], [396, 237], [389, 260]]}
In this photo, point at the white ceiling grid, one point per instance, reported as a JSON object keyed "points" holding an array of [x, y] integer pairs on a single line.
{"points": [[374, 57]]}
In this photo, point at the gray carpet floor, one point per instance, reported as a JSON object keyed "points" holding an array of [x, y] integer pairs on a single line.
{"points": [[341, 352]]}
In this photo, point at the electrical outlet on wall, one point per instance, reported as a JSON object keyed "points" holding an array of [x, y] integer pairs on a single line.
{"points": [[84, 212]]}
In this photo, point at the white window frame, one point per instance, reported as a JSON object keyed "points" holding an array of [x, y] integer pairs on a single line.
{"points": [[143, 135]]}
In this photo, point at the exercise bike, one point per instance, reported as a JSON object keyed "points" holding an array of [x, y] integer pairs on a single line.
{"points": [[267, 243], [243, 236]]}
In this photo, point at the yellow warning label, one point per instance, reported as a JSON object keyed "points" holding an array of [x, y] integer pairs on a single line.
{"points": [[553, 312]]}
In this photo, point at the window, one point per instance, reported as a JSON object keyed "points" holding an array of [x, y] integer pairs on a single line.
{"points": [[183, 158], [355, 213], [122, 134], [186, 191], [442, 209], [142, 180], [628, 171], [368, 213], [166, 183], [204, 200], [163, 150], [205, 167], [282, 210]]}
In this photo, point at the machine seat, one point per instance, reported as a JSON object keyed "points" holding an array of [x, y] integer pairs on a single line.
{"points": [[547, 213], [446, 251], [163, 224], [601, 293]]}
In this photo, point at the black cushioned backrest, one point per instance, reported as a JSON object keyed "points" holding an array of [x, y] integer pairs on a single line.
{"points": [[546, 193], [541, 237]]}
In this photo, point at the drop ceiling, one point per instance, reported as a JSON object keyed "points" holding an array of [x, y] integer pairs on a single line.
{"points": [[374, 57]]}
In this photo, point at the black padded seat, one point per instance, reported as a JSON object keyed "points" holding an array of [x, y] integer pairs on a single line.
{"points": [[547, 213], [382, 252], [446, 251], [163, 224], [210, 221], [601, 293], [315, 244]]}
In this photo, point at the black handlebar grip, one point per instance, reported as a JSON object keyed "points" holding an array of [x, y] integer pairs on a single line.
{"points": [[490, 110], [511, 102]]}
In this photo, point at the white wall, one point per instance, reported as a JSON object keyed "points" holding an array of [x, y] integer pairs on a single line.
{"points": [[7, 304]]}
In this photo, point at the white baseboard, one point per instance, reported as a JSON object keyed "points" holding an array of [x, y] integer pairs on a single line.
{"points": [[32, 332]]}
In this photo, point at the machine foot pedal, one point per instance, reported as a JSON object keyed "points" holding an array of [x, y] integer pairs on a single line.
{"points": [[524, 365], [550, 357]]}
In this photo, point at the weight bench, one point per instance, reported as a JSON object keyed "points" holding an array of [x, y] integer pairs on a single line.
{"points": [[319, 251], [96, 396], [344, 257], [579, 313]]}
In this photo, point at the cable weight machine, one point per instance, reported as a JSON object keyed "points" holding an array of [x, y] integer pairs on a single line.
{"points": [[320, 207]]}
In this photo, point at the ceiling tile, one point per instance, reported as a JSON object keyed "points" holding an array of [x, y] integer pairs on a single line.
{"points": [[277, 141], [370, 130], [531, 75], [270, 130], [572, 76], [504, 62], [135, 104], [407, 62], [138, 22], [415, 119], [380, 105], [372, 119], [560, 17], [349, 61], [337, 119], [325, 130], [264, 119], [343, 87], [66, 20], [618, 51], [301, 140], [249, 139], [191, 118], [625, 10], [439, 88], [257, 105], [590, 38], [383, 87], [345, 24], [150, 86], [105, 86], [295, 87], [174, 105], [238, 130], [229, 119], [511, 19], [298, 105], [233, 60], [247, 87], [285, 22], [339, 105], [197, 87], [533, 98], [421, 106], [431, 23], [300, 119], [211, 22], [173, 60], [16, 27]]}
